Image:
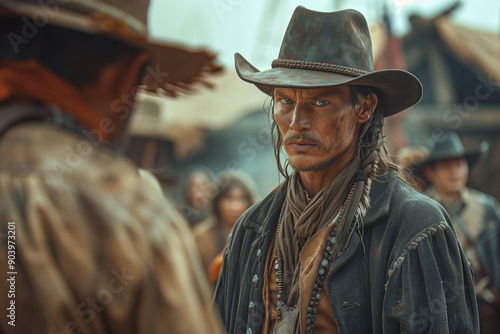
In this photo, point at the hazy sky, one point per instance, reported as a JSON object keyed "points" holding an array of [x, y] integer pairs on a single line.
{"points": [[255, 28]]}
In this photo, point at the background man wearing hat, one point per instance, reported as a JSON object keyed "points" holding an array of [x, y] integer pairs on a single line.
{"points": [[475, 216], [343, 245], [93, 247]]}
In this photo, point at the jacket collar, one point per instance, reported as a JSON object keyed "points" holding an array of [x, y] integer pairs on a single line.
{"points": [[380, 197], [264, 215]]}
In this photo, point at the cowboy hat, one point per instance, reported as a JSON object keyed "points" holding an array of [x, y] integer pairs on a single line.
{"points": [[331, 49], [450, 146], [125, 20]]}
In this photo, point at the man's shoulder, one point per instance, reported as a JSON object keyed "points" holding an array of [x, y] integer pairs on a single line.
{"points": [[258, 214], [62, 156], [260, 207], [259, 210], [406, 194], [395, 198], [477, 196], [74, 170], [413, 208], [411, 218]]}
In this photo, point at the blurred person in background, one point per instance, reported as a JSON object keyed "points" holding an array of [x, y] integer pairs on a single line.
{"points": [[475, 216], [344, 245], [98, 249], [197, 191], [235, 194]]}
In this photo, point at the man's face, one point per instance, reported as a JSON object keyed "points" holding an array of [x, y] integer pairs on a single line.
{"points": [[317, 126], [449, 176]]}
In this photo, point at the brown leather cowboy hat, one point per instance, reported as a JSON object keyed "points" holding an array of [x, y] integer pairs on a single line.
{"points": [[331, 49], [125, 20]]}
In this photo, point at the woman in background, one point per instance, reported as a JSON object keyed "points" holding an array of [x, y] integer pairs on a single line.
{"points": [[198, 188], [234, 195]]}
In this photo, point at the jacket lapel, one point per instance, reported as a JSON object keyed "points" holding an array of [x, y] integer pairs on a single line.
{"points": [[380, 195]]}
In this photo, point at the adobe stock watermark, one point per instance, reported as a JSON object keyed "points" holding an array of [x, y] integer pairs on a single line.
{"points": [[455, 115], [253, 145], [222, 7], [11, 273], [39, 19], [471, 103], [95, 304], [437, 309]]}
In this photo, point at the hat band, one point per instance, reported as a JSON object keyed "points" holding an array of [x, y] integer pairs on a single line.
{"points": [[317, 66]]}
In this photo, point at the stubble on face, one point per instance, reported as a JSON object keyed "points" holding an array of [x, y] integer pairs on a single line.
{"points": [[313, 167]]}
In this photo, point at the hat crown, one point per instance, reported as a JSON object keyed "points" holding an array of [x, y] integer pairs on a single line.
{"points": [[450, 145], [338, 38], [328, 50]]}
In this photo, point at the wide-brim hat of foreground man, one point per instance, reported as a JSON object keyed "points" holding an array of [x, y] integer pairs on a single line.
{"points": [[125, 20], [331, 49]]}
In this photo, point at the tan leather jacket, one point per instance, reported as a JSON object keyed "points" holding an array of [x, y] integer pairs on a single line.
{"points": [[97, 247]]}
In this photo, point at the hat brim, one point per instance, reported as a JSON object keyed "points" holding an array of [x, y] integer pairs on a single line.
{"points": [[181, 69], [401, 89], [175, 68], [472, 156]]}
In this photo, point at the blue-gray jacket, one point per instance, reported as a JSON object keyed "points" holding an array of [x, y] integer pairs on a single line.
{"points": [[411, 276]]}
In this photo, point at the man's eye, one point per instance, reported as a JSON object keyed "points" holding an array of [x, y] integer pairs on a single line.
{"points": [[286, 101], [321, 103]]}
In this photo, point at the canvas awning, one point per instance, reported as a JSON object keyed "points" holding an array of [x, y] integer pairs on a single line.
{"points": [[478, 47]]}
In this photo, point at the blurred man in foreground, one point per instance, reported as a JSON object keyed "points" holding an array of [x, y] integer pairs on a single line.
{"points": [[93, 247]]}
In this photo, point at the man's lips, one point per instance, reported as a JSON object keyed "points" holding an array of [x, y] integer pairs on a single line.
{"points": [[301, 145]]}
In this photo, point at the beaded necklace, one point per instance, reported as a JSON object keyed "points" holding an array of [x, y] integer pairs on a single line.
{"points": [[288, 315]]}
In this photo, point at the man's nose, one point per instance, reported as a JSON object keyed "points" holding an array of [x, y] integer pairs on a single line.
{"points": [[300, 121]]}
